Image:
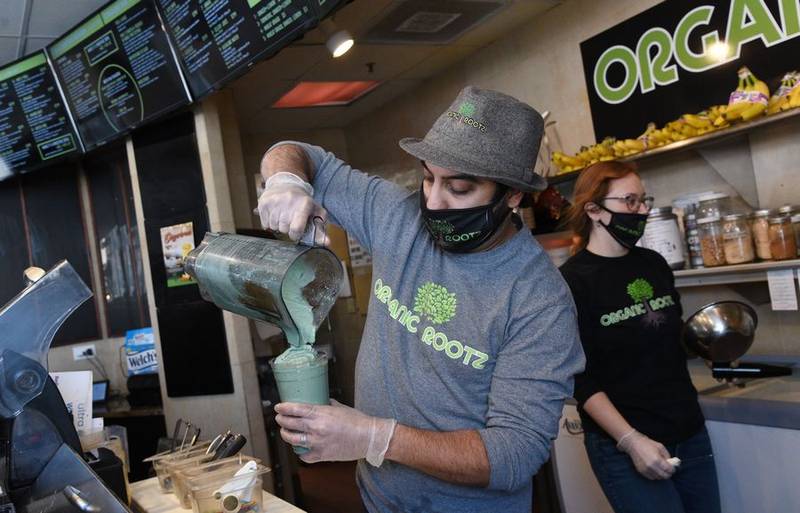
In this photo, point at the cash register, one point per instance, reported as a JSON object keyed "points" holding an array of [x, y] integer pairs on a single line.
{"points": [[41, 463]]}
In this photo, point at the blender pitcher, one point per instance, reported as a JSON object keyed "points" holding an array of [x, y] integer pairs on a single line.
{"points": [[291, 285]]}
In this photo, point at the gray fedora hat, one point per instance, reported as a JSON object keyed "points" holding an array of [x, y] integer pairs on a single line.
{"points": [[486, 134]]}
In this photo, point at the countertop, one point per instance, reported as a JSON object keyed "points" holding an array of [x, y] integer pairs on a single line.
{"points": [[146, 497], [773, 402]]}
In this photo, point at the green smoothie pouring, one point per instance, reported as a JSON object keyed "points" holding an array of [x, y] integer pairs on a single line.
{"points": [[290, 285]]}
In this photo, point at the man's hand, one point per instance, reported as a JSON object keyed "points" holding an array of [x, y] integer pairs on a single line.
{"points": [[649, 457], [287, 206], [334, 433]]}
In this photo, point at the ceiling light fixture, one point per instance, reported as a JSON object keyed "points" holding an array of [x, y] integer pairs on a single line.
{"points": [[325, 94], [338, 41]]}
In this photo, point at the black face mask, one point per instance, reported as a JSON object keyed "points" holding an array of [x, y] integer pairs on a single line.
{"points": [[626, 228], [464, 229]]}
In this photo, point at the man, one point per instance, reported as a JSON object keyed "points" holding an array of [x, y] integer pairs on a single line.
{"points": [[470, 343]]}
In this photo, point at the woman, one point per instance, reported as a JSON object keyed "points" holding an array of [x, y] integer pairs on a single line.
{"points": [[644, 432]]}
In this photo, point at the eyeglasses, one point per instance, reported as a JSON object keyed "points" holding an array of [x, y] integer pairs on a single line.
{"points": [[633, 201]]}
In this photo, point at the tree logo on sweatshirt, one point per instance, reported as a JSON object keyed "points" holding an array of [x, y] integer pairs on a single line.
{"points": [[645, 306], [641, 291], [435, 303]]}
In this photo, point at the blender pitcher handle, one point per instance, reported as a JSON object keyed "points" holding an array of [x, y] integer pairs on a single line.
{"points": [[310, 237]]}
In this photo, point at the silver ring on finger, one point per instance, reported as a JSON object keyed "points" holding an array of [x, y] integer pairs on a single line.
{"points": [[304, 440]]}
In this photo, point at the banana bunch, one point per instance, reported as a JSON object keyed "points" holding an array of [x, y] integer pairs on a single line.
{"points": [[653, 137], [716, 113], [749, 99], [608, 149], [788, 94], [566, 163], [708, 120], [625, 147]]}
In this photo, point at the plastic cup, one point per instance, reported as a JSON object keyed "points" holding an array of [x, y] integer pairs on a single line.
{"points": [[302, 382]]}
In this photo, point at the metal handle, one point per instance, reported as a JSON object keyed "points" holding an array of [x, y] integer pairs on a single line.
{"points": [[218, 440], [195, 436], [312, 231], [233, 446], [175, 433], [185, 434]]}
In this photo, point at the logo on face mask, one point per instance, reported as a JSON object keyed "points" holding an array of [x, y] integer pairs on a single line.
{"points": [[625, 227], [441, 227], [464, 229]]}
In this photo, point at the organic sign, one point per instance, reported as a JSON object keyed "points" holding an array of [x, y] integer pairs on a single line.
{"points": [[682, 56]]}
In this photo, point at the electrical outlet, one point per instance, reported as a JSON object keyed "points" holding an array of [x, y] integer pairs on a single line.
{"points": [[84, 352]]}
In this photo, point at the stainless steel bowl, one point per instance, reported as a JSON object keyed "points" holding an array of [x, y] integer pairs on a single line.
{"points": [[721, 331]]}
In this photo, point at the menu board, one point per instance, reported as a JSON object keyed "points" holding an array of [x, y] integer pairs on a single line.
{"points": [[324, 7], [34, 127], [117, 70], [217, 40]]}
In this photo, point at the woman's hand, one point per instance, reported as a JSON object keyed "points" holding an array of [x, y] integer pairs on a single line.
{"points": [[649, 457]]}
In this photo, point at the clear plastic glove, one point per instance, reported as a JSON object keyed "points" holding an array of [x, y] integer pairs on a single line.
{"points": [[287, 206], [335, 433], [649, 457]]}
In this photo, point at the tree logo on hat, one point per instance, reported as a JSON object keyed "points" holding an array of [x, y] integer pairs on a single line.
{"points": [[466, 109], [435, 302]]}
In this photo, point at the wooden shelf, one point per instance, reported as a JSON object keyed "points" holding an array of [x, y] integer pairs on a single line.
{"points": [[727, 274], [693, 142]]}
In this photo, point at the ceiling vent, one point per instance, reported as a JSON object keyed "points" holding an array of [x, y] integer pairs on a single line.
{"points": [[429, 22]]}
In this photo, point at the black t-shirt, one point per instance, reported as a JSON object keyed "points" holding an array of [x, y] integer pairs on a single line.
{"points": [[630, 323]]}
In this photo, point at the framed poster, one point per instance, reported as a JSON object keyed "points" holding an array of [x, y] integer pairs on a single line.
{"points": [[177, 241]]}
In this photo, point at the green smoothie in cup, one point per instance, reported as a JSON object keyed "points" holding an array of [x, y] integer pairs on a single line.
{"points": [[301, 374]]}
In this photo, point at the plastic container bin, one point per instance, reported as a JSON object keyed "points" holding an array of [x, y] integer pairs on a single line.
{"points": [[160, 462], [171, 467], [184, 478], [223, 492]]}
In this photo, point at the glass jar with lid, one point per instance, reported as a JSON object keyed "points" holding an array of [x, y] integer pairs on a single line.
{"points": [[796, 225], [760, 228], [789, 210], [692, 238], [711, 241], [737, 240], [716, 204], [663, 235], [782, 243]]}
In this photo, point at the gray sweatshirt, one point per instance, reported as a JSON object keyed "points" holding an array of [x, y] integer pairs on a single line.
{"points": [[485, 341]]}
